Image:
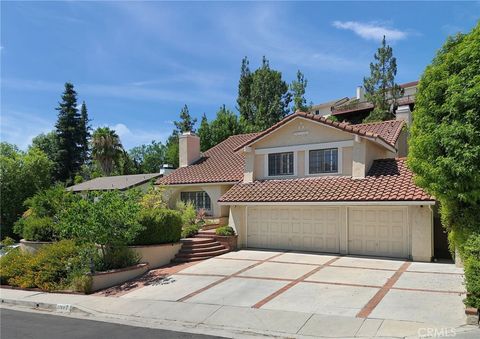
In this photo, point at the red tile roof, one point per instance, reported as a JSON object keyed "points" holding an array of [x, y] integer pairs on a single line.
{"points": [[388, 133], [219, 164], [387, 180]]}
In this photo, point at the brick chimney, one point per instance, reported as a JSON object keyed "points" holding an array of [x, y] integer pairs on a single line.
{"points": [[189, 148]]}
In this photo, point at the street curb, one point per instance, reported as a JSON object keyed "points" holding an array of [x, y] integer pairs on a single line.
{"points": [[59, 308]]}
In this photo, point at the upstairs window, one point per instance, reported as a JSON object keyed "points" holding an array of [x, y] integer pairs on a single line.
{"points": [[323, 161], [280, 164], [199, 199]]}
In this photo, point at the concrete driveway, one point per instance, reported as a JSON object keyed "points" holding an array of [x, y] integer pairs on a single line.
{"points": [[369, 292]]}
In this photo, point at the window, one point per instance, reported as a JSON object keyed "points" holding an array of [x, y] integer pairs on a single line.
{"points": [[199, 199], [280, 164], [323, 161]]}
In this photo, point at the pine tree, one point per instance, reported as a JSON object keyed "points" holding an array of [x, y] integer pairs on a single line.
{"points": [[263, 97], [186, 123], [70, 136], [172, 150], [85, 132], [204, 134], [298, 87], [380, 87]]}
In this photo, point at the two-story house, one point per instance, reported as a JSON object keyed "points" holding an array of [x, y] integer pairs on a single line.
{"points": [[311, 184]]}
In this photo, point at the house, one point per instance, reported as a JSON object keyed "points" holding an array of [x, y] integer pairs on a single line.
{"points": [[355, 109], [117, 182], [310, 184]]}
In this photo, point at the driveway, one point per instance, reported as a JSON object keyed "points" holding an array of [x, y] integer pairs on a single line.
{"points": [[362, 289]]}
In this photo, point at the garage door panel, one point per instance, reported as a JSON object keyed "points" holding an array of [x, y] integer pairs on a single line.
{"points": [[295, 228], [381, 232]]}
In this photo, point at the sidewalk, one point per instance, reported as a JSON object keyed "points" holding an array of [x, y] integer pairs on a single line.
{"points": [[227, 321]]}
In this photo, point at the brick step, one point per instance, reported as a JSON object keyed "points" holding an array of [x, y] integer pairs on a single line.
{"points": [[180, 260], [201, 245], [212, 247], [195, 241], [210, 227], [201, 254]]}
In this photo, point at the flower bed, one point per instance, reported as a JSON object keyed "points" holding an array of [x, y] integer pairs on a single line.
{"points": [[156, 255]]}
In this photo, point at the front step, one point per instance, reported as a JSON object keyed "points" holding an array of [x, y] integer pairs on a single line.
{"points": [[199, 248]]}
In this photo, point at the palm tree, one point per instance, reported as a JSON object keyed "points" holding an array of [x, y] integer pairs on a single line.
{"points": [[106, 148]]}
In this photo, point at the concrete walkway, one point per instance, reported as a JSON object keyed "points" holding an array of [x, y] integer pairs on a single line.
{"points": [[249, 293]]}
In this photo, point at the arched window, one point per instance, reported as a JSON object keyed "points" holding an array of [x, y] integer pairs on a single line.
{"points": [[199, 199]]}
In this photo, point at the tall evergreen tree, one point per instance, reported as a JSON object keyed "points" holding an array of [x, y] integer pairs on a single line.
{"points": [[85, 132], [380, 86], [263, 96], [70, 135], [225, 124], [204, 134], [244, 92], [298, 87], [172, 150], [186, 123]]}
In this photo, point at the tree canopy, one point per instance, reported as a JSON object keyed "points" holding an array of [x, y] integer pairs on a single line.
{"points": [[186, 123], [106, 148], [148, 158], [21, 176], [298, 88], [263, 96], [445, 145], [380, 87]]}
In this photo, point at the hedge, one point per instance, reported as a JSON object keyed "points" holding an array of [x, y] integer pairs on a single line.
{"points": [[160, 226]]}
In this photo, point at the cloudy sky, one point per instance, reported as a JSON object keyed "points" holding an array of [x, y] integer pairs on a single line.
{"points": [[137, 63]]}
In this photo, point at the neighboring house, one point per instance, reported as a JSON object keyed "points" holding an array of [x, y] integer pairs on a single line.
{"points": [[355, 109], [311, 184], [117, 182]]}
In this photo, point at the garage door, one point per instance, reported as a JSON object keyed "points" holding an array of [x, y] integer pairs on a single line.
{"points": [[294, 228], [378, 231]]}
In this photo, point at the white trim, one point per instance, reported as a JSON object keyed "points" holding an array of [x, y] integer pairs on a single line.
{"points": [[330, 203], [339, 164], [377, 140], [304, 147], [202, 184], [295, 165]]}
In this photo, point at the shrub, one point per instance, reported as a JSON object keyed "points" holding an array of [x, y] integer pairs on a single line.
{"points": [[153, 199], [188, 212], [189, 231], [50, 202], [7, 241], [115, 257], [52, 268], [225, 231], [35, 228], [160, 226]]}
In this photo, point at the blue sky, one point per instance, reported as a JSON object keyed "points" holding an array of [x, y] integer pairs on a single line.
{"points": [[137, 63]]}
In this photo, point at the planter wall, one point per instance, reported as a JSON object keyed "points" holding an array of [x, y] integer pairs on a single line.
{"points": [[157, 255], [32, 246], [230, 242], [102, 280]]}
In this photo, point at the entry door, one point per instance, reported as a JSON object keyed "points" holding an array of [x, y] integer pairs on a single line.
{"points": [[378, 231], [294, 228]]}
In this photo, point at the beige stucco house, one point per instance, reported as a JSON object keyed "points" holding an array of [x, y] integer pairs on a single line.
{"points": [[310, 184]]}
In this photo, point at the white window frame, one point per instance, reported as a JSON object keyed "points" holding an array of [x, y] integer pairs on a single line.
{"points": [[339, 165], [295, 165]]}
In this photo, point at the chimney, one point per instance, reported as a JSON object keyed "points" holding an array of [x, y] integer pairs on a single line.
{"points": [[166, 169], [404, 113], [189, 148], [360, 93]]}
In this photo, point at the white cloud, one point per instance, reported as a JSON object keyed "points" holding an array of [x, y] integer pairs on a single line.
{"points": [[371, 31]]}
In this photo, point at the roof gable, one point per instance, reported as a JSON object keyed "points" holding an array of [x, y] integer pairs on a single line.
{"points": [[386, 132]]}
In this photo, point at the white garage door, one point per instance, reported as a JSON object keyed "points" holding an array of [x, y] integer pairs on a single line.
{"points": [[294, 228], [378, 231]]}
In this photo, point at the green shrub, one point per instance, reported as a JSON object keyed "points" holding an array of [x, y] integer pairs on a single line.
{"points": [[35, 228], [52, 268], [189, 231], [50, 202], [7, 241], [188, 212], [14, 269], [116, 257], [225, 231], [160, 226]]}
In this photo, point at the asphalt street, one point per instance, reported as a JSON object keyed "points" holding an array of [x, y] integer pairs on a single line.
{"points": [[24, 325]]}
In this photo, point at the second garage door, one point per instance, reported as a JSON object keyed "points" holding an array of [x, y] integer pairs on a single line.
{"points": [[294, 228], [378, 231]]}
